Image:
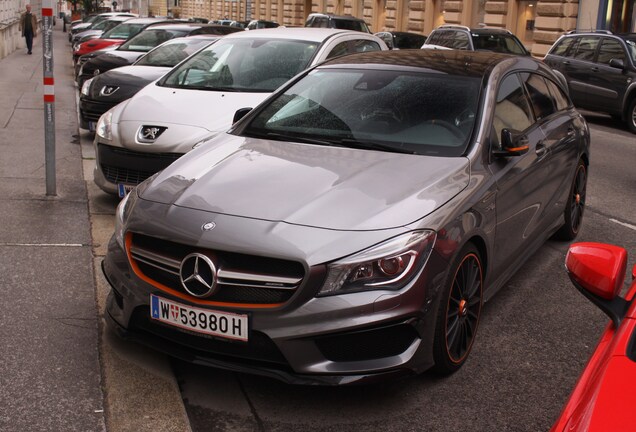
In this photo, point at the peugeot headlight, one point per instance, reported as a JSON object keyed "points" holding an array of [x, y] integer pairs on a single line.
{"points": [[121, 216], [86, 87], [104, 127], [388, 265]]}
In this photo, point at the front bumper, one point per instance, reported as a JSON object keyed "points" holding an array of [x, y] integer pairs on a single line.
{"points": [[335, 340]]}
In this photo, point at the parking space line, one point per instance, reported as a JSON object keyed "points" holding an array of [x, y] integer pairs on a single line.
{"points": [[624, 224]]}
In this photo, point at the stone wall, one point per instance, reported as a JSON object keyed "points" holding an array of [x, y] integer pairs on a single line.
{"points": [[10, 38]]}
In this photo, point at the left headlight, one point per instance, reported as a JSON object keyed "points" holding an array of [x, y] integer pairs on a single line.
{"points": [[388, 265], [121, 216], [104, 127], [86, 87]]}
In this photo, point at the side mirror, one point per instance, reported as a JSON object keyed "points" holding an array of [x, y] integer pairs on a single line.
{"points": [[240, 113], [617, 63], [513, 143], [598, 271]]}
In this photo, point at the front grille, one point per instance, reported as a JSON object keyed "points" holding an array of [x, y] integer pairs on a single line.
{"points": [[259, 346], [93, 111], [368, 344], [121, 165], [243, 279]]}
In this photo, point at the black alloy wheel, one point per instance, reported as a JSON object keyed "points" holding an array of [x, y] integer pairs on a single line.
{"points": [[575, 205], [459, 312]]}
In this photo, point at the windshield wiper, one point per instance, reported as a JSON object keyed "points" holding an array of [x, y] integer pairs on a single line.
{"points": [[354, 143], [288, 138]]}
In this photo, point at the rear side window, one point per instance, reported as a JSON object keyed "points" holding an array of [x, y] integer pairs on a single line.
{"points": [[610, 49], [543, 103], [512, 110], [353, 46], [586, 48]]}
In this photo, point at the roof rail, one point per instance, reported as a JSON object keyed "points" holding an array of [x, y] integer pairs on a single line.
{"points": [[589, 31], [454, 26]]}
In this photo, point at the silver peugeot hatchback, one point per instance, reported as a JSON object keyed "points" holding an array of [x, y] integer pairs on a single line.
{"points": [[350, 227]]}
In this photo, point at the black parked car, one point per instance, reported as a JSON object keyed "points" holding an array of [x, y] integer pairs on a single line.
{"points": [[402, 40], [477, 39], [137, 46], [346, 22], [600, 70], [104, 91]]}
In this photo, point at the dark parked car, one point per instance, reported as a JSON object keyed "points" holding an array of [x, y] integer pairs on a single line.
{"points": [[402, 40], [477, 39], [351, 226], [345, 22], [151, 37], [101, 93], [600, 71], [261, 24]]}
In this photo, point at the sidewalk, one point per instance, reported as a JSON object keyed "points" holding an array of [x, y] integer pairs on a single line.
{"points": [[61, 370]]}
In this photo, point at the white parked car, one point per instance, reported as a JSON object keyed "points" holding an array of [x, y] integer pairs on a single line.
{"points": [[199, 97]]}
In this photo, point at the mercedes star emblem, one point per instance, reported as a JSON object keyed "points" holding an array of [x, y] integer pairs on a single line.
{"points": [[198, 275]]}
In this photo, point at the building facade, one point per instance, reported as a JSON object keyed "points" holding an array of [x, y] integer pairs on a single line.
{"points": [[538, 23]]}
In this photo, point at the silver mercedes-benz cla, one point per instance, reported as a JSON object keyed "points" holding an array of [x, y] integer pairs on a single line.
{"points": [[350, 227]]}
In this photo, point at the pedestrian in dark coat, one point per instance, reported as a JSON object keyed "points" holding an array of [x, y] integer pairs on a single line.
{"points": [[29, 27]]}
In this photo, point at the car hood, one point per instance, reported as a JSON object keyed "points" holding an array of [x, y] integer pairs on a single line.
{"points": [[173, 109], [325, 187], [127, 80], [112, 59]]}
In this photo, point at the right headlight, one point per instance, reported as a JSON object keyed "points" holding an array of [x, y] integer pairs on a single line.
{"points": [[104, 127], [86, 87], [388, 265]]}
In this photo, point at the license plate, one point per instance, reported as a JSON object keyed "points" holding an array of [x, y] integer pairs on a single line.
{"points": [[124, 189], [92, 126], [213, 323]]}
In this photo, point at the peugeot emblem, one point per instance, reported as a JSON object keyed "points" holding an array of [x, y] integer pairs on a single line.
{"points": [[148, 134], [209, 226], [108, 90], [198, 275]]}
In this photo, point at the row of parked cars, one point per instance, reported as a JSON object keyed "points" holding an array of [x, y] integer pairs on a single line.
{"points": [[305, 204]]}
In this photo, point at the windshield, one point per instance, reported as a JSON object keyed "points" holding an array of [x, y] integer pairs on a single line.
{"points": [[123, 31], [150, 38], [500, 43], [172, 52], [631, 48], [243, 65], [388, 110]]}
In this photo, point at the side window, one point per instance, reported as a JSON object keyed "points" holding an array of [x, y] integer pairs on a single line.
{"points": [[543, 104], [562, 47], [434, 39], [364, 45], [562, 101], [512, 110], [586, 48], [610, 48], [339, 50]]}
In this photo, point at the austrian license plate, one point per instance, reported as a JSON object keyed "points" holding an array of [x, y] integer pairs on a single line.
{"points": [[213, 323], [92, 126], [124, 189]]}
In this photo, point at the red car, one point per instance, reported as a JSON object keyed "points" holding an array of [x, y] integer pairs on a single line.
{"points": [[116, 36], [605, 395]]}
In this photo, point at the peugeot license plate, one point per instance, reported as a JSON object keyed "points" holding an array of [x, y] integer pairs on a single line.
{"points": [[213, 323]]}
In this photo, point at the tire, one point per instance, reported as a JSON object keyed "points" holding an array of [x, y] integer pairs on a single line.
{"points": [[631, 116], [458, 312], [575, 206]]}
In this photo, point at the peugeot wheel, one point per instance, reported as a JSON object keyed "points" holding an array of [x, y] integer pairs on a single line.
{"points": [[575, 205], [458, 313]]}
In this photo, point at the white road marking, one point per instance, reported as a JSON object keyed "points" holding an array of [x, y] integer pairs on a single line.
{"points": [[624, 224]]}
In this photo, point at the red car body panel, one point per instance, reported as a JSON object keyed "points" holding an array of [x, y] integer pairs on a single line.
{"points": [[96, 44], [604, 398]]}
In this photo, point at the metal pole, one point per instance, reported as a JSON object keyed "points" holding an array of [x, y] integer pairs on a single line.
{"points": [[49, 95]]}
